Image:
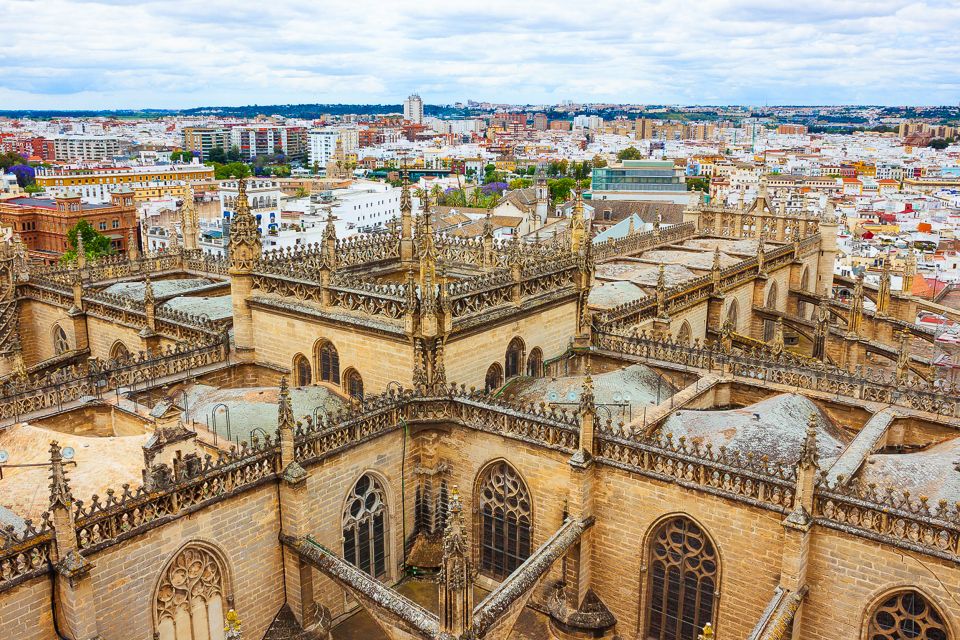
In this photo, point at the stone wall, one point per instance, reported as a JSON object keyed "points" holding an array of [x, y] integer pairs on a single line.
{"points": [[26, 613], [379, 359], [467, 358], [36, 330]]}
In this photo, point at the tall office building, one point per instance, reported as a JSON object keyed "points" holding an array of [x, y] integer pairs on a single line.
{"points": [[203, 140], [413, 109]]}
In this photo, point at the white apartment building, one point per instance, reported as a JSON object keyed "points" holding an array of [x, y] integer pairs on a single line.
{"points": [[95, 186], [323, 143], [413, 109], [86, 147], [365, 206], [263, 194]]}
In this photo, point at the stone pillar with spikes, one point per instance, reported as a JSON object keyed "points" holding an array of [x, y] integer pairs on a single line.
{"points": [[150, 339], [245, 248], [133, 243], [456, 575], [297, 575], [188, 221], [903, 356], [797, 525], [883, 293], [74, 588], [574, 593], [78, 314], [406, 221]]}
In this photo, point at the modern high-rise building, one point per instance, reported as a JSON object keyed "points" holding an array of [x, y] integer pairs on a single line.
{"points": [[540, 122], [323, 142], [413, 109], [203, 140]]}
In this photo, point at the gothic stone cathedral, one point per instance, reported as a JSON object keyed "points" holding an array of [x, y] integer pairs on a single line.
{"points": [[691, 431]]}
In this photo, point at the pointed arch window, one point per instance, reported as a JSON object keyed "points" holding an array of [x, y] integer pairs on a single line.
{"points": [[733, 314], [494, 378], [353, 383], [683, 336], [119, 351], [505, 521], [301, 370], [329, 361], [683, 581], [60, 342], [535, 363], [906, 614], [190, 597], [514, 359], [365, 527]]}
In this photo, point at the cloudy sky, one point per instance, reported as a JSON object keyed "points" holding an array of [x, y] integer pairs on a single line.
{"points": [[62, 54]]}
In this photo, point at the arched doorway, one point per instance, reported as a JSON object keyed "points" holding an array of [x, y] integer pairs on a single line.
{"points": [[494, 378], [514, 358], [682, 583]]}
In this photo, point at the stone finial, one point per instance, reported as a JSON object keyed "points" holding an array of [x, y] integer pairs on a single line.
{"points": [[456, 577], [285, 418], [716, 259], [587, 399], [829, 213], [81, 251], [488, 226], [809, 457], [245, 243], [631, 230], [903, 355], [60, 496], [777, 346], [148, 297]]}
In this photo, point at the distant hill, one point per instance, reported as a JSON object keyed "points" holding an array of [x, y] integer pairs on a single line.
{"points": [[306, 111]]}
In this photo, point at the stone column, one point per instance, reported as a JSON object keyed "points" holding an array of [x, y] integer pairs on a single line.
{"points": [[77, 314], [74, 588], [297, 575]]}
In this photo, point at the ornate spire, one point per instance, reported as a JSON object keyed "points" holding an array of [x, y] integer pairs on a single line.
{"points": [[284, 407], [456, 576], [188, 220], [855, 318], [777, 345], [909, 272], [148, 297], [60, 496], [761, 253], [829, 213], [903, 356], [245, 243], [883, 293], [662, 292], [81, 251], [809, 457], [715, 270], [577, 225]]}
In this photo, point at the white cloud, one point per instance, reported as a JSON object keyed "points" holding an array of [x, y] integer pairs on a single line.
{"points": [[180, 53]]}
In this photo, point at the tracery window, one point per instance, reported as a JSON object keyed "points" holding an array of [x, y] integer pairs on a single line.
{"points": [[190, 597], [683, 570], [301, 369], [119, 351], [505, 521], [772, 296], [906, 614], [535, 363], [514, 359], [353, 383], [494, 378], [365, 527], [329, 363], [733, 314], [683, 336], [60, 342]]}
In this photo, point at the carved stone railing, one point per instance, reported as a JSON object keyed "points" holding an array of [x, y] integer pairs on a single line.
{"points": [[748, 478], [105, 521], [25, 554], [891, 516], [21, 397], [632, 244], [863, 384], [111, 267]]}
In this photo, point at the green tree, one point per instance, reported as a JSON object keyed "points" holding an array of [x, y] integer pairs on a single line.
{"points": [[280, 170], [520, 183], [181, 156], [938, 143], [598, 162], [217, 155], [560, 189], [630, 153], [231, 170], [95, 244], [33, 188], [9, 159], [698, 183], [302, 192], [233, 155]]}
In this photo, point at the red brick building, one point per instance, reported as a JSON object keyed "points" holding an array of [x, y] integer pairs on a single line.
{"points": [[43, 222]]}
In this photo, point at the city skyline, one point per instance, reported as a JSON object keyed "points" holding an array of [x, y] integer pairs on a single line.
{"points": [[114, 55]]}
